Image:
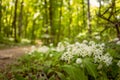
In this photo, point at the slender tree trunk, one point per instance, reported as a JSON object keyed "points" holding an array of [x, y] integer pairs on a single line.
{"points": [[83, 9], [25, 28], [46, 16], [89, 17], [117, 23], [118, 31], [20, 20], [46, 21], [52, 31], [78, 26], [14, 21], [70, 19], [0, 16], [33, 31], [60, 24]]}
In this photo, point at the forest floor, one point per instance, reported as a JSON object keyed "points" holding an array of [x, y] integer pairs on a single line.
{"points": [[9, 55]]}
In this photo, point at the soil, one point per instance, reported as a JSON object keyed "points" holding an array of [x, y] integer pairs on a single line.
{"points": [[8, 56]]}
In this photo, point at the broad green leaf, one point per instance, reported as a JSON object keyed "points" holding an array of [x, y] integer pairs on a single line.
{"points": [[52, 77], [18, 77], [75, 73], [91, 68], [61, 75], [103, 77]]}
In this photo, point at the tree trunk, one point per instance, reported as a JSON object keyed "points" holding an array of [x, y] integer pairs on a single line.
{"points": [[89, 18], [83, 9], [52, 31], [60, 19], [33, 31], [117, 30], [0, 16], [26, 24], [14, 21], [46, 24], [70, 19], [20, 20]]}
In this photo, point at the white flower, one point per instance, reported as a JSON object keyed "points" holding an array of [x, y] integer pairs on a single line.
{"points": [[92, 43], [97, 37], [51, 44], [85, 41], [96, 51], [118, 43], [103, 44], [116, 39], [33, 47], [118, 63], [67, 56], [78, 60], [60, 47], [43, 49], [107, 59]]}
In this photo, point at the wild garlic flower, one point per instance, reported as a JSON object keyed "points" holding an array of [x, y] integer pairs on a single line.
{"points": [[78, 60], [118, 63], [118, 43], [97, 37], [67, 56], [60, 47], [116, 39], [43, 49], [107, 59], [33, 48], [96, 51], [85, 41]]}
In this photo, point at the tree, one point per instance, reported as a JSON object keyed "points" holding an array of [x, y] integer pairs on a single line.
{"points": [[14, 21], [20, 19], [0, 16], [110, 15], [89, 17], [60, 22]]}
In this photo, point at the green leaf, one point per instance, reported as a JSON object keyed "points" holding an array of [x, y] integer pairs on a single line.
{"points": [[103, 77], [52, 77], [61, 75], [18, 77], [91, 68], [75, 73]]}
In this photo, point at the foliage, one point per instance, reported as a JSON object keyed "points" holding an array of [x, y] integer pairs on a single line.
{"points": [[58, 19], [47, 63], [9, 42]]}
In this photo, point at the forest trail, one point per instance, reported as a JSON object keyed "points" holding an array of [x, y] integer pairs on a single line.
{"points": [[8, 56]]}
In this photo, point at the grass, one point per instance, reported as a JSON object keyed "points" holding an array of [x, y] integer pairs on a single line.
{"points": [[9, 43]]}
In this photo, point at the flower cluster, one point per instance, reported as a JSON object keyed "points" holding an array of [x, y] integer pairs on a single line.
{"points": [[41, 49], [86, 49], [78, 51]]}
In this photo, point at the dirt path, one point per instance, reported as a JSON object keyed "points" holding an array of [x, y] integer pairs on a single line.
{"points": [[8, 56]]}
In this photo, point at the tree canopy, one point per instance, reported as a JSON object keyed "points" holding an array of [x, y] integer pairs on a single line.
{"points": [[55, 20]]}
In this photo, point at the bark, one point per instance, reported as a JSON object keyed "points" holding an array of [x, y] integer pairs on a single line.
{"points": [[33, 31], [46, 22], [83, 7], [52, 31], [89, 17], [70, 19], [20, 20], [0, 16], [112, 14], [118, 31], [14, 21], [25, 28], [60, 20]]}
